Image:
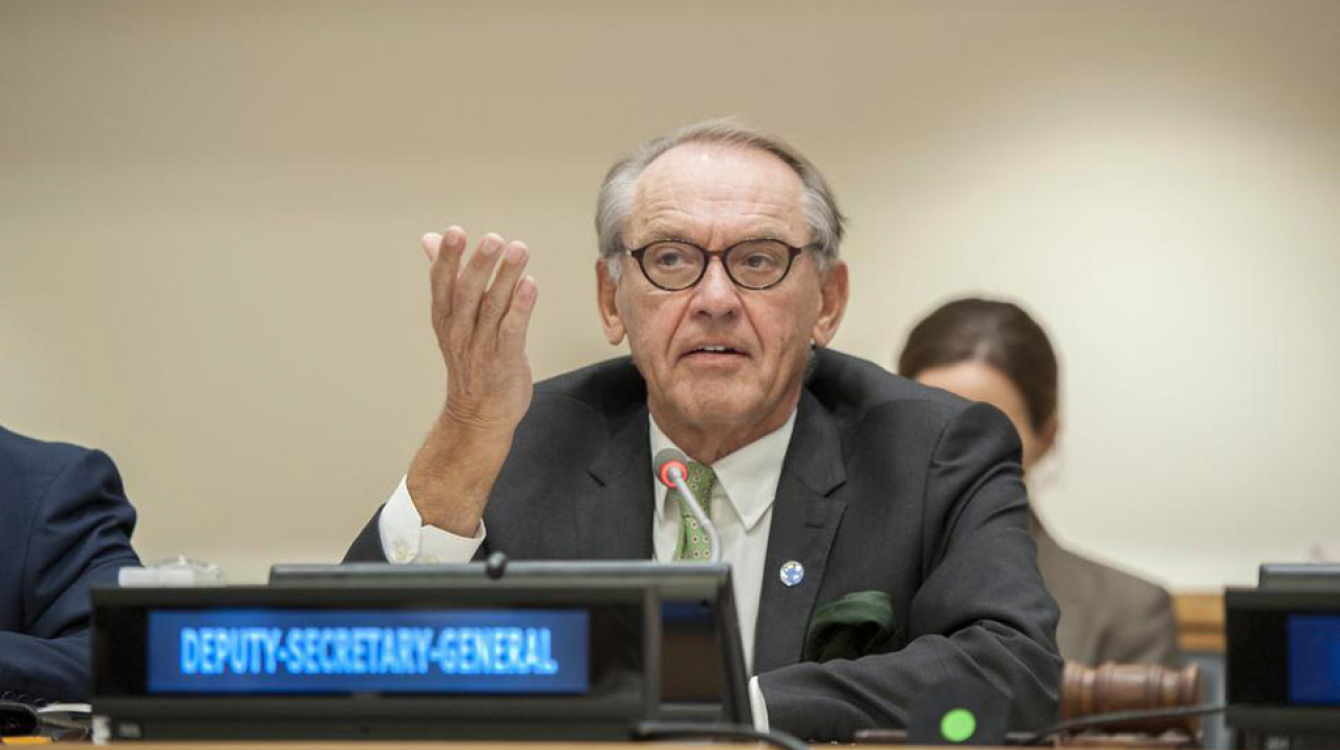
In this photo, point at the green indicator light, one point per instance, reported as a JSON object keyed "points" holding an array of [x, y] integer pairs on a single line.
{"points": [[958, 725]]}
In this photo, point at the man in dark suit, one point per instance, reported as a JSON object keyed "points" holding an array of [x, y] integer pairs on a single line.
{"points": [[68, 528], [830, 479]]}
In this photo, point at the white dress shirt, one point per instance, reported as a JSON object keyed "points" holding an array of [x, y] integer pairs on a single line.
{"points": [[741, 504]]}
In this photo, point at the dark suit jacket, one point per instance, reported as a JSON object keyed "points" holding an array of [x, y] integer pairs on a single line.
{"points": [[67, 526], [886, 486], [1107, 615]]}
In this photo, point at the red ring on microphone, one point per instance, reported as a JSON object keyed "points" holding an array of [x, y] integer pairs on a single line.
{"points": [[665, 472]]}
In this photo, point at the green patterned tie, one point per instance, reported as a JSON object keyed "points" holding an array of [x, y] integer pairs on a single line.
{"points": [[693, 543]]}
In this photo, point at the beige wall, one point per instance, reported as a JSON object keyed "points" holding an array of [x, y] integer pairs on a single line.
{"points": [[209, 216]]}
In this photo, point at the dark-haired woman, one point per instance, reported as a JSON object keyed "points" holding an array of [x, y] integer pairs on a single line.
{"points": [[991, 351]]}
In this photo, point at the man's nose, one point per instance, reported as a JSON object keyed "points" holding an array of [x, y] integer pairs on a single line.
{"points": [[716, 295]]}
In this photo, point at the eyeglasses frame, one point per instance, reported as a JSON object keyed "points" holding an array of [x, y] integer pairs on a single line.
{"points": [[793, 251]]}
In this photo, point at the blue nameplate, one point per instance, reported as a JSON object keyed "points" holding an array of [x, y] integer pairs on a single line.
{"points": [[313, 651]]}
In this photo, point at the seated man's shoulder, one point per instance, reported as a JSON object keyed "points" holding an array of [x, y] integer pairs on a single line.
{"points": [[582, 409], [575, 419], [860, 389], [28, 464], [41, 481], [609, 387]]}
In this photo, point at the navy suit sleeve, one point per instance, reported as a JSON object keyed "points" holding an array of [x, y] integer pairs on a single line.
{"points": [[981, 611], [76, 532]]}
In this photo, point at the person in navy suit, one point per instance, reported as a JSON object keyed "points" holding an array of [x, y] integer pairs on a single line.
{"points": [[67, 528]]}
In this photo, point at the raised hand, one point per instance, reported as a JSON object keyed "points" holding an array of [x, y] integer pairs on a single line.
{"points": [[481, 330]]}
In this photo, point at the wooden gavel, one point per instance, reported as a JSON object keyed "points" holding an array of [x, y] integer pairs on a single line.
{"points": [[1132, 687]]}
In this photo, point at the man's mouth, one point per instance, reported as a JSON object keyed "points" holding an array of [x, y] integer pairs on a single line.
{"points": [[714, 351]]}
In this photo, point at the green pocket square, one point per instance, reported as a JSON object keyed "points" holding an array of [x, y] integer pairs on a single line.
{"points": [[850, 627]]}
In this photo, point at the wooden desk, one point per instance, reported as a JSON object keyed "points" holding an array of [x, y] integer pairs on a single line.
{"points": [[1200, 621], [355, 745], [426, 745]]}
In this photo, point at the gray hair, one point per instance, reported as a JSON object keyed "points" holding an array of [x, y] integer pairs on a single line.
{"points": [[615, 201]]}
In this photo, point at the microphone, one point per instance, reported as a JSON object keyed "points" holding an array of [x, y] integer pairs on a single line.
{"points": [[672, 468]]}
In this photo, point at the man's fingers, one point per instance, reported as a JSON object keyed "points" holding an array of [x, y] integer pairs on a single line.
{"points": [[431, 244], [434, 243], [468, 287], [444, 252], [451, 246], [512, 329], [499, 296]]}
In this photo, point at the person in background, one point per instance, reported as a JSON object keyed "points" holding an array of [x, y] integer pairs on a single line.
{"points": [[992, 351], [67, 528]]}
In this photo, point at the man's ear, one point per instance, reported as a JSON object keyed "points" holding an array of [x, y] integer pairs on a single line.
{"points": [[833, 287], [606, 288]]}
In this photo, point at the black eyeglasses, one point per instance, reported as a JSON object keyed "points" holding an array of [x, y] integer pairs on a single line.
{"points": [[675, 265]]}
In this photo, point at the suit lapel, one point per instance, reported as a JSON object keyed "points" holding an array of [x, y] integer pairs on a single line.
{"points": [[614, 521], [804, 521]]}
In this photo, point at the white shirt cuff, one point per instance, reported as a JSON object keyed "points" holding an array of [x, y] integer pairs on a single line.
{"points": [[405, 538], [757, 705]]}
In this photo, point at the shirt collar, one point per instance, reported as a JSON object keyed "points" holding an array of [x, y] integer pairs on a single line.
{"points": [[749, 476]]}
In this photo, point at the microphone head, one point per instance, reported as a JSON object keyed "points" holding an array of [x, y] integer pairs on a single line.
{"points": [[668, 459]]}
